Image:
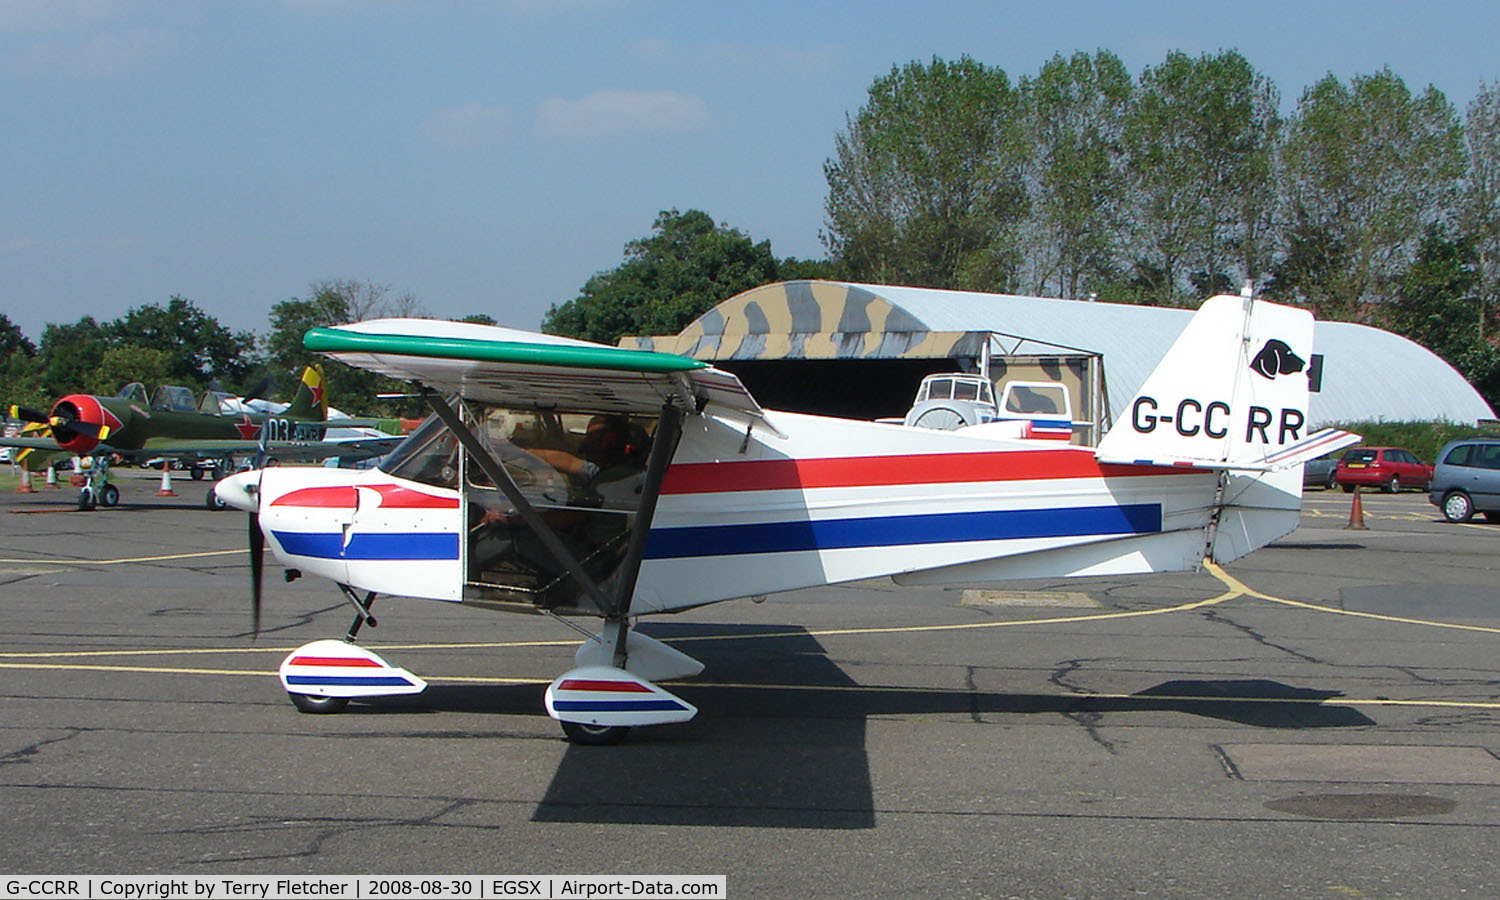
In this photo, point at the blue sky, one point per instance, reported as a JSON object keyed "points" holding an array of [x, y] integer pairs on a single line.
{"points": [[491, 157]]}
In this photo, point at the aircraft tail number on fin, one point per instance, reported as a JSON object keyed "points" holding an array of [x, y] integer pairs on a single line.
{"points": [[1232, 392]]}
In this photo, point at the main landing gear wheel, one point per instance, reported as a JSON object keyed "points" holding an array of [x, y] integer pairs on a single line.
{"points": [[310, 703], [212, 501], [595, 735], [109, 496], [86, 499]]}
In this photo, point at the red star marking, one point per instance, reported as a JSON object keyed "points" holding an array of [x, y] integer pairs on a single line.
{"points": [[317, 392], [247, 429]]}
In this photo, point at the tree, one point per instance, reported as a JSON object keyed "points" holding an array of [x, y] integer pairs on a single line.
{"points": [[1435, 305], [198, 349], [1370, 166], [124, 363], [12, 341], [335, 303], [1481, 189], [1076, 112], [71, 354], [666, 281], [926, 186], [1200, 139]]}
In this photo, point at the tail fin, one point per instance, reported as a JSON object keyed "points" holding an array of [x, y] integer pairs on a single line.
{"points": [[310, 401], [1232, 395], [1232, 392]]}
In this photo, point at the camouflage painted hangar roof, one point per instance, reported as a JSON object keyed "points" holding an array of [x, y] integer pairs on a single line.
{"points": [[1368, 375]]}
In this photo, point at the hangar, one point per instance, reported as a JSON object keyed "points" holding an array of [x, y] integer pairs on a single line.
{"points": [[860, 350]]}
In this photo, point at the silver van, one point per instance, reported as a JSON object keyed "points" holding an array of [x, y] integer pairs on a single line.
{"points": [[1466, 479]]}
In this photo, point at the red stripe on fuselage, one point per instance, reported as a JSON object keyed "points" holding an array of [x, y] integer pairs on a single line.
{"points": [[880, 471], [392, 496]]}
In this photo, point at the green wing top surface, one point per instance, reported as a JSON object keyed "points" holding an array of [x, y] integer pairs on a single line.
{"points": [[522, 369], [568, 356]]}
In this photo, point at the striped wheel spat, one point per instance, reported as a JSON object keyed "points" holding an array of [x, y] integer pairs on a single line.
{"points": [[603, 695], [338, 669]]}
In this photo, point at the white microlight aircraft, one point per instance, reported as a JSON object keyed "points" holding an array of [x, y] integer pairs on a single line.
{"points": [[578, 479]]}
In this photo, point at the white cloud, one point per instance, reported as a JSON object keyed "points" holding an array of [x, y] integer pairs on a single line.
{"points": [[95, 55], [609, 112], [470, 126]]}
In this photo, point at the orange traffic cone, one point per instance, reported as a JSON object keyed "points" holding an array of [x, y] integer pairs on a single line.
{"points": [[25, 486], [1356, 512], [166, 482], [52, 477]]}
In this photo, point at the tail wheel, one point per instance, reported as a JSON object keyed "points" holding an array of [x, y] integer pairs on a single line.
{"points": [[594, 735], [1332, 481], [1393, 485], [315, 705]]}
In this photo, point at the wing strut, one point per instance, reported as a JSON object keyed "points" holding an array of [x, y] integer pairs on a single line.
{"points": [[663, 445]]}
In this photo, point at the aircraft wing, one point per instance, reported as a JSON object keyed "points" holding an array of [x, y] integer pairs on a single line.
{"points": [[523, 369], [45, 443], [284, 450]]}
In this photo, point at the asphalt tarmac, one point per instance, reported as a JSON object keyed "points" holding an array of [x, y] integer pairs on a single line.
{"points": [[1321, 720]]}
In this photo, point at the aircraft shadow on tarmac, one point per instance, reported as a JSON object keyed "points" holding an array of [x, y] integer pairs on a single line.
{"points": [[780, 739]]}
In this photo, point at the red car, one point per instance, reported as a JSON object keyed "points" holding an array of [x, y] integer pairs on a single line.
{"points": [[1388, 468]]}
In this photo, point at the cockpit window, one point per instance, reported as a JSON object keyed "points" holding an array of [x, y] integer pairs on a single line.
{"points": [[582, 472], [429, 455], [172, 398]]}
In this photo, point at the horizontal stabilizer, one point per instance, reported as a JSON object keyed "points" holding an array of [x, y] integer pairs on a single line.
{"points": [[610, 697], [1326, 441]]}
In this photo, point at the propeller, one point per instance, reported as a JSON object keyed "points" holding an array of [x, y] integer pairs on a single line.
{"points": [[60, 422], [26, 414]]}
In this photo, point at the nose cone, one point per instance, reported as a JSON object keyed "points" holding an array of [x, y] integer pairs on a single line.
{"points": [[240, 490]]}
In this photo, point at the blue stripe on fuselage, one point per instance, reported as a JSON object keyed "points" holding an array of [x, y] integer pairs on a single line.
{"points": [[370, 545], [893, 531]]}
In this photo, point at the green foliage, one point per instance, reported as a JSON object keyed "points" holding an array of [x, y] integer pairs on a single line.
{"points": [[1424, 439], [927, 186], [332, 303], [124, 363], [667, 280], [1200, 139], [196, 347], [1075, 109], [12, 341], [1369, 166]]}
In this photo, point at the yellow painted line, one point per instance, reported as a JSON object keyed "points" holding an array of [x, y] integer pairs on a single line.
{"points": [[1237, 586], [150, 670], [195, 651], [1144, 699], [63, 561]]}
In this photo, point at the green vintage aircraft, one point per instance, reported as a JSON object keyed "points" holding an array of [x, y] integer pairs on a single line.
{"points": [[171, 425]]}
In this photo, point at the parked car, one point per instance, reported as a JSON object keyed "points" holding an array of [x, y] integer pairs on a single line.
{"points": [[1388, 468], [1319, 472], [1466, 479]]}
